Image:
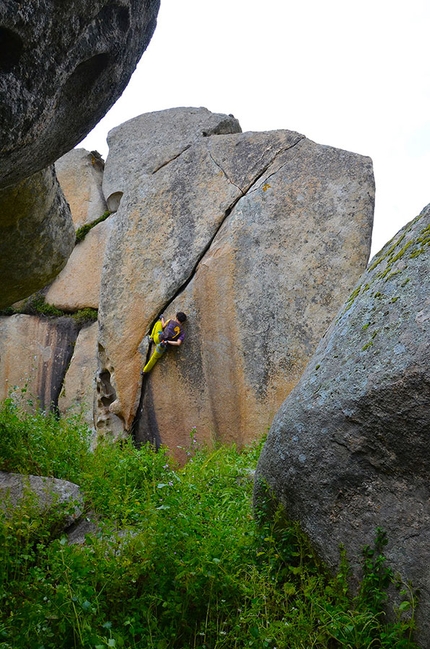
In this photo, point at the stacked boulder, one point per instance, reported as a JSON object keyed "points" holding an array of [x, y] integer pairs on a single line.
{"points": [[53, 360], [46, 71], [258, 237]]}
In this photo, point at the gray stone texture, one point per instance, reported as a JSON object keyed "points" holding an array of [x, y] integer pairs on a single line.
{"points": [[145, 144], [259, 236], [349, 450], [62, 66], [47, 495], [36, 235]]}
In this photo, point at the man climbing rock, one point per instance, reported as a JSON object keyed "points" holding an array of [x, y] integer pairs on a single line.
{"points": [[163, 334]]}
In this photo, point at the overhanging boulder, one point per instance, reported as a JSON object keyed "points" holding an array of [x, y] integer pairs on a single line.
{"points": [[62, 66]]}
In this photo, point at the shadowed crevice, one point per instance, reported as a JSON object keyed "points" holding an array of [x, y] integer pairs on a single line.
{"points": [[145, 426], [11, 48]]}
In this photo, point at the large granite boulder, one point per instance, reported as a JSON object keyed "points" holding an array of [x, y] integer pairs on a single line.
{"points": [[166, 218], [349, 450], [80, 174], [147, 143], [258, 236], [36, 235], [62, 66]]}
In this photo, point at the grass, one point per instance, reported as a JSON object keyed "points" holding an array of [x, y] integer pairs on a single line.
{"points": [[36, 305], [179, 562], [82, 232]]}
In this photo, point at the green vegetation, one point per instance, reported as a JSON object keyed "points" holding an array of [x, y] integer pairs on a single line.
{"points": [[85, 316], [82, 232], [37, 305], [179, 561], [391, 253]]}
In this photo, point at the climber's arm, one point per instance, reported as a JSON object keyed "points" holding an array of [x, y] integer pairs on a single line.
{"points": [[174, 342]]}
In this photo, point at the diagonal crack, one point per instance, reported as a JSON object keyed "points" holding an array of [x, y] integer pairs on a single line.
{"points": [[263, 170], [175, 157], [242, 192], [277, 154], [227, 213], [225, 173]]}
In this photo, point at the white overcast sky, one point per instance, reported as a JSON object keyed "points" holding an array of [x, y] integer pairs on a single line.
{"points": [[353, 74]]}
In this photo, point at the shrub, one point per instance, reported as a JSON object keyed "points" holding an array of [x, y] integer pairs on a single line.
{"points": [[179, 560]]}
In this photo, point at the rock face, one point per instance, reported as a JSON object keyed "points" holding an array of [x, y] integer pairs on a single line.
{"points": [[78, 387], [80, 175], [78, 284], [34, 354], [258, 236], [54, 359], [349, 449], [47, 70], [36, 235]]}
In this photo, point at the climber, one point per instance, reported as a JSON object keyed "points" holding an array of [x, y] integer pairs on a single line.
{"points": [[163, 334]]}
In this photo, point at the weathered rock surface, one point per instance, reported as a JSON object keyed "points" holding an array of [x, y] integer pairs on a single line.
{"points": [[257, 236], [56, 83], [165, 221], [62, 66], [150, 141], [78, 284], [36, 235], [80, 174], [34, 354], [349, 450], [260, 236], [78, 388], [50, 494]]}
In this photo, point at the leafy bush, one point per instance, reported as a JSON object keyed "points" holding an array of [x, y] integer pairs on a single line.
{"points": [[37, 305], [41, 444], [85, 316], [179, 560]]}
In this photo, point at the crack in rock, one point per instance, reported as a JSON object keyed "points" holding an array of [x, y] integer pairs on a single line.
{"points": [[252, 187], [228, 211], [175, 157], [225, 173]]}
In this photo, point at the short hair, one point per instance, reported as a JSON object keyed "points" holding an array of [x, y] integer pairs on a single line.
{"points": [[181, 317]]}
